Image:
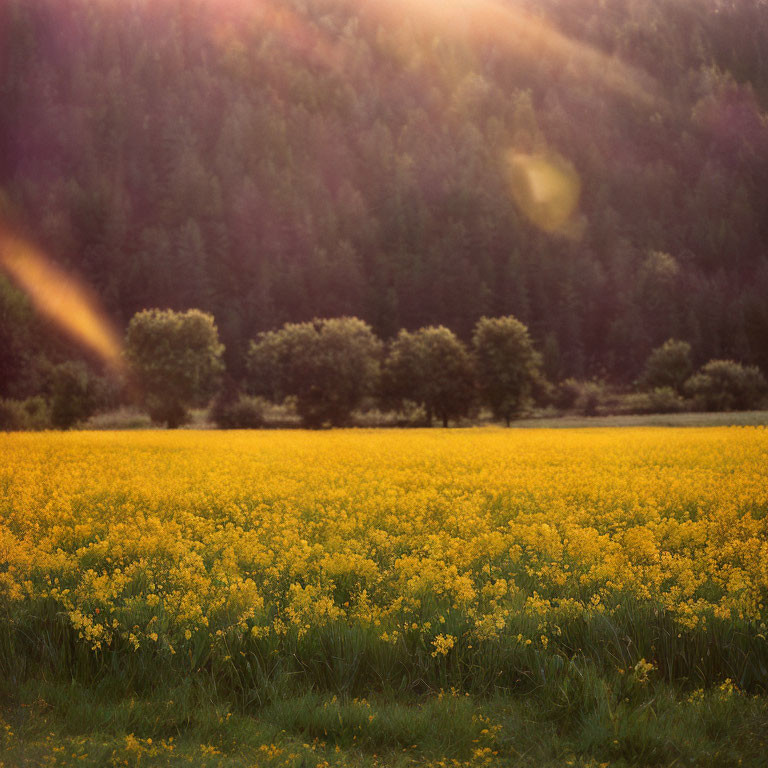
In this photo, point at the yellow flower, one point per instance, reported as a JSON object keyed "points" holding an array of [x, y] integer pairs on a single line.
{"points": [[442, 644], [282, 532]]}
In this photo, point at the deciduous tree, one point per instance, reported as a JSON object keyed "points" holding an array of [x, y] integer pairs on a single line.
{"points": [[506, 364], [328, 365], [433, 368], [176, 358]]}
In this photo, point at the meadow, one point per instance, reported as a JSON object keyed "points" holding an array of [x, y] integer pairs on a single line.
{"points": [[453, 597]]}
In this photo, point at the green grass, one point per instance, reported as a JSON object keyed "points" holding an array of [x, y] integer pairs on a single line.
{"points": [[338, 695], [726, 419], [594, 720], [280, 416], [352, 659], [338, 698]]}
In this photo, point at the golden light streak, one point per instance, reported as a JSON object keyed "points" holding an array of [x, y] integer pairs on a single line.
{"points": [[61, 298], [545, 187], [522, 35]]}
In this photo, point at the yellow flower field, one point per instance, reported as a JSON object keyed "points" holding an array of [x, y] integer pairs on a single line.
{"points": [[196, 548]]}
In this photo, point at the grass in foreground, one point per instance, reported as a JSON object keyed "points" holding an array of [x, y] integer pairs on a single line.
{"points": [[601, 722]]}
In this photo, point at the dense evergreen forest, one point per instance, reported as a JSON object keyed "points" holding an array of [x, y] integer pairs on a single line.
{"points": [[279, 160]]}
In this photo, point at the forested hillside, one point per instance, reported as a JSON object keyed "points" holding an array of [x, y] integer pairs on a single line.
{"points": [[279, 160]]}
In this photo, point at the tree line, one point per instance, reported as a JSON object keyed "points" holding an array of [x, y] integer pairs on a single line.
{"points": [[331, 367], [328, 369]]}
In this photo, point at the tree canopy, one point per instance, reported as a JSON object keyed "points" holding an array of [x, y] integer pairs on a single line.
{"points": [[725, 385], [176, 359], [328, 365], [432, 368], [506, 364], [669, 365]]}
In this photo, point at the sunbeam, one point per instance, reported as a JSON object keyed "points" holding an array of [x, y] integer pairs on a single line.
{"points": [[60, 297]]}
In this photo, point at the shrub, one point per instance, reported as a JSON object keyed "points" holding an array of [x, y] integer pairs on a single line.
{"points": [[665, 400], [241, 413], [567, 394], [725, 385], [584, 396], [543, 391], [12, 415], [668, 366], [38, 412], [32, 413], [592, 394], [72, 396], [659, 400]]}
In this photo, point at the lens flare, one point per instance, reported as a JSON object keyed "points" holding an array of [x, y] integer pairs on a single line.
{"points": [[545, 188], [61, 298]]}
